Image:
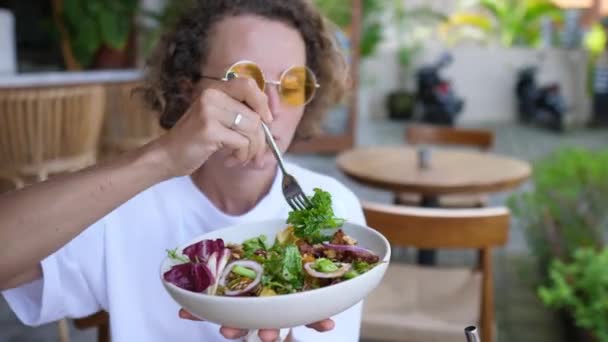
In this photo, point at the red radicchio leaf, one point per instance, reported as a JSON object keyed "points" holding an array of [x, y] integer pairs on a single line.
{"points": [[207, 261], [202, 250], [181, 276], [202, 277], [191, 277]]}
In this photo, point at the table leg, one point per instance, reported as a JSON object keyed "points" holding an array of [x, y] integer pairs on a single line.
{"points": [[428, 257]]}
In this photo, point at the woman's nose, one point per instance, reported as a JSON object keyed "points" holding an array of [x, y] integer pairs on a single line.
{"points": [[274, 100]]}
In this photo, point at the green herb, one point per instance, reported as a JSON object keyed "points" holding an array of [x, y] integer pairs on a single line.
{"points": [[309, 223], [172, 253], [325, 265], [243, 271], [292, 266], [254, 244], [283, 269], [350, 274], [361, 266]]}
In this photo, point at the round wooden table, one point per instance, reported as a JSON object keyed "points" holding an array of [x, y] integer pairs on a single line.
{"points": [[450, 171]]}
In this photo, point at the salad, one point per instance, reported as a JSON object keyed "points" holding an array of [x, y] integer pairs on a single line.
{"points": [[311, 252]]}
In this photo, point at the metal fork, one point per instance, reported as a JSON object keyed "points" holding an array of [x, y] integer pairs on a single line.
{"points": [[292, 191]]}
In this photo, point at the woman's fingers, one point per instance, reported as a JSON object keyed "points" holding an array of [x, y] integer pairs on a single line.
{"points": [[237, 117], [268, 335], [233, 333], [322, 326], [246, 90], [186, 315]]}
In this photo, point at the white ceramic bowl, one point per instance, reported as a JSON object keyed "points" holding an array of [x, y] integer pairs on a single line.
{"points": [[282, 311]]}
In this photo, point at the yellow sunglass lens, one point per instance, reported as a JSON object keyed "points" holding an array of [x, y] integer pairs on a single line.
{"points": [[248, 70], [298, 86]]}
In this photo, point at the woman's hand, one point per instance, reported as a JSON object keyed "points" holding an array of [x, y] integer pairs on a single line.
{"points": [[266, 335], [208, 126]]}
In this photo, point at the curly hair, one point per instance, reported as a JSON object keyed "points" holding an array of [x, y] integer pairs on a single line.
{"points": [[181, 52]]}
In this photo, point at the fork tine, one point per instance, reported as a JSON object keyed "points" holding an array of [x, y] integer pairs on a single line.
{"points": [[291, 204], [307, 201], [300, 201]]}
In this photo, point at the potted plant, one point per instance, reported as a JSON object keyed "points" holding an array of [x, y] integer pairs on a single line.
{"points": [[412, 27], [96, 33], [510, 22], [580, 287], [565, 220], [339, 12]]}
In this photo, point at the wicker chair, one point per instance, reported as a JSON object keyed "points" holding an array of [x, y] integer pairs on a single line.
{"points": [[48, 131], [128, 123]]}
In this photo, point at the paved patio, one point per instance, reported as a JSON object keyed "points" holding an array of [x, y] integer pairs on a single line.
{"points": [[520, 317]]}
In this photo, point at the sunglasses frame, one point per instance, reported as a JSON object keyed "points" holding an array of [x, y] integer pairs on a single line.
{"points": [[230, 75]]}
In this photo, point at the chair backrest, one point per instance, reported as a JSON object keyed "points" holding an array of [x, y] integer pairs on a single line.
{"points": [[443, 135], [50, 130], [439, 228], [479, 228], [128, 122]]}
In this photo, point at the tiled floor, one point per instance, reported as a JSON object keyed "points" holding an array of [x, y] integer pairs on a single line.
{"points": [[520, 317]]}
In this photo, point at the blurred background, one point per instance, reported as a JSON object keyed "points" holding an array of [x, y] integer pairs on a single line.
{"points": [[506, 100]]}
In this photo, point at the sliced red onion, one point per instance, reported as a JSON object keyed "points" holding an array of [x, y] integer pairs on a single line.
{"points": [[259, 270], [343, 268], [360, 251]]}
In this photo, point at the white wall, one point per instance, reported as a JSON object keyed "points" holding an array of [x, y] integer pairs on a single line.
{"points": [[8, 47], [483, 75]]}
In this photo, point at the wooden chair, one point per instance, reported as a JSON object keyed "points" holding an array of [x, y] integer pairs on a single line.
{"points": [[433, 303], [99, 321], [45, 131], [128, 123], [440, 135]]}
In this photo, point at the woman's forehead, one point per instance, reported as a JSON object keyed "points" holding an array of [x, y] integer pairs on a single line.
{"points": [[271, 44]]}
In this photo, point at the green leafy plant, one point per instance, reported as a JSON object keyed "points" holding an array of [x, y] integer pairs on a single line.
{"points": [[511, 22], [581, 287], [568, 206], [162, 20], [564, 217], [340, 13], [93, 24]]}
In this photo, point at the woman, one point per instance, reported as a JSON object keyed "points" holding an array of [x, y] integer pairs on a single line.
{"points": [[93, 240]]}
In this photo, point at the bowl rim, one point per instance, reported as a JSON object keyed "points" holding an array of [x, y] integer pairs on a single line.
{"points": [[228, 299]]}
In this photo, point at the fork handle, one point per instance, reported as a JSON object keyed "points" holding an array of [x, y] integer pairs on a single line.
{"points": [[273, 147]]}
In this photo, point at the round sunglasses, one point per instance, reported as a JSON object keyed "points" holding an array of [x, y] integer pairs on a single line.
{"points": [[297, 85]]}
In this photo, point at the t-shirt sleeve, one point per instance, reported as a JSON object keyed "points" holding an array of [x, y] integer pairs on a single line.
{"points": [[72, 282]]}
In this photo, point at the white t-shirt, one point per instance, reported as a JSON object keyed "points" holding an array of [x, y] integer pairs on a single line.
{"points": [[114, 264]]}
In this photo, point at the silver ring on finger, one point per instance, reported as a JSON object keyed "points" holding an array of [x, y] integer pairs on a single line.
{"points": [[237, 120]]}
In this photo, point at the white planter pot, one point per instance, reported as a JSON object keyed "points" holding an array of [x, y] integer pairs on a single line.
{"points": [[8, 55]]}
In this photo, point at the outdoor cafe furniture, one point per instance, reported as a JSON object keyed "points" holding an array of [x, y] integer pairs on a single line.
{"points": [[428, 303], [449, 171], [437, 135]]}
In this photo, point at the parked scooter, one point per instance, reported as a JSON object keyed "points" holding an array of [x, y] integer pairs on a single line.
{"points": [[541, 105], [437, 102]]}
